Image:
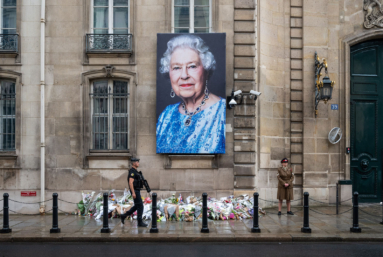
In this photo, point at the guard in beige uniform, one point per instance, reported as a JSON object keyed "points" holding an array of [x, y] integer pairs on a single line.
{"points": [[285, 186]]}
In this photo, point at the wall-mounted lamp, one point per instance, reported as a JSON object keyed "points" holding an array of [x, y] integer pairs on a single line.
{"points": [[323, 89], [236, 97]]}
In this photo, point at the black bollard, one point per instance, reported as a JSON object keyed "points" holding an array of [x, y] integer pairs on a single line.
{"points": [[6, 228], [204, 229], [306, 228], [154, 228], [55, 218], [255, 228], [355, 214], [337, 198], [105, 226]]}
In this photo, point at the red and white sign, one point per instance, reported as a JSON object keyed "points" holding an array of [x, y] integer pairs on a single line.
{"points": [[28, 193]]}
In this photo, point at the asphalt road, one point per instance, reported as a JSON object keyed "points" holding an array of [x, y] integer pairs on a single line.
{"points": [[190, 249]]}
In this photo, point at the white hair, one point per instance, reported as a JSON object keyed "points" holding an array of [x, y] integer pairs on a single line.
{"points": [[193, 42]]}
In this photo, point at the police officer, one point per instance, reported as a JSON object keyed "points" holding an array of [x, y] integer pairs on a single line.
{"points": [[135, 185]]}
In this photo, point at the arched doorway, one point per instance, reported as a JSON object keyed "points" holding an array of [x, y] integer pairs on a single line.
{"points": [[366, 124]]}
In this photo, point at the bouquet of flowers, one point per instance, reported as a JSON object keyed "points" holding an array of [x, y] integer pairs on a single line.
{"points": [[84, 204]]}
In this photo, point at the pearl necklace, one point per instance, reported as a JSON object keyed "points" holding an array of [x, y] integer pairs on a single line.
{"points": [[199, 108]]}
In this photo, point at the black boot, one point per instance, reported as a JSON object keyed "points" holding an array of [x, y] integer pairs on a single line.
{"points": [[142, 224], [290, 213], [279, 213], [123, 217]]}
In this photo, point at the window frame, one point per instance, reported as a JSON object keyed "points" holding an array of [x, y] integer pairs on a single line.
{"points": [[110, 116], [12, 155], [1, 17], [110, 16], [191, 16], [4, 116]]}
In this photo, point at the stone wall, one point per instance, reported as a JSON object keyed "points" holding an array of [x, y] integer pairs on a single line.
{"points": [[245, 73], [270, 48], [70, 167], [325, 25], [275, 116]]}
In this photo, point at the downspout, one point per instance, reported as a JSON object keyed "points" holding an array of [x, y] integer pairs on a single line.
{"points": [[42, 106]]}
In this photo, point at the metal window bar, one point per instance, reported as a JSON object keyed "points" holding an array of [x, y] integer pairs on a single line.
{"points": [[102, 113], [7, 116], [109, 43], [100, 116], [120, 115]]}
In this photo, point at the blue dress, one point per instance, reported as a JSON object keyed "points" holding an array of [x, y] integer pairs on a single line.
{"points": [[205, 134]]}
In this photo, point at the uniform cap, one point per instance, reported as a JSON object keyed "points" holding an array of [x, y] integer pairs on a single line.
{"points": [[285, 160], [134, 159]]}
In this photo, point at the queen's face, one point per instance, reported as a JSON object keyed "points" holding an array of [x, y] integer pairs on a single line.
{"points": [[186, 73]]}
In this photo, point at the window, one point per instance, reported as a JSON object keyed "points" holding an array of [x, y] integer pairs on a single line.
{"points": [[7, 115], [8, 17], [109, 105], [191, 16], [110, 17]]}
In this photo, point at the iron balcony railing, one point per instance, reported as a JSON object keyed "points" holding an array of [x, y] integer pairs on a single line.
{"points": [[106, 43], [9, 43]]}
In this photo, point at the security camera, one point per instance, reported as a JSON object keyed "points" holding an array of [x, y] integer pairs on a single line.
{"points": [[253, 92], [232, 102], [238, 92]]}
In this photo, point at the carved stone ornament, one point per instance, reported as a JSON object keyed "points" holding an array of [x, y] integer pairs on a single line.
{"points": [[373, 13], [108, 70]]}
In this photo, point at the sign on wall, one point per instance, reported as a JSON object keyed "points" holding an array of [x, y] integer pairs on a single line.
{"points": [[191, 92]]}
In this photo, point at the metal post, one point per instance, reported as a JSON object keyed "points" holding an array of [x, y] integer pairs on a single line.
{"points": [[306, 228], [255, 228], [154, 228], [6, 228], [337, 199], [55, 218], [355, 214], [204, 229], [105, 226]]}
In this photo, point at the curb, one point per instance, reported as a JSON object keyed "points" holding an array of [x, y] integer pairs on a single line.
{"points": [[192, 238]]}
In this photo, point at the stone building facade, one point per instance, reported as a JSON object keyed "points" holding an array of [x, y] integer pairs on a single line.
{"points": [[270, 47]]}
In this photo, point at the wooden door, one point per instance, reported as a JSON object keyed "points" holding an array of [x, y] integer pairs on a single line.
{"points": [[367, 119]]}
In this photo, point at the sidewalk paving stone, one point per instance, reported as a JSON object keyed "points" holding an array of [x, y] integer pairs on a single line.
{"points": [[284, 228]]}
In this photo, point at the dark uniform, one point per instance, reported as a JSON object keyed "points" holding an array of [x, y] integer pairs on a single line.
{"points": [[138, 204]]}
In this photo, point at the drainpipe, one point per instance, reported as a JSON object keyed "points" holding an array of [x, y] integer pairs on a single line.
{"points": [[42, 106]]}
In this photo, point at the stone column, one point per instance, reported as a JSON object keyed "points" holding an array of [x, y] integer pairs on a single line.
{"points": [[245, 38], [296, 93]]}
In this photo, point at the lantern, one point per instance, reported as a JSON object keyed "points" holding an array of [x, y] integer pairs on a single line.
{"points": [[326, 89]]}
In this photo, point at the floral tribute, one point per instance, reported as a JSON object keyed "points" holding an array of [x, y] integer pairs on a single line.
{"points": [[171, 208]]}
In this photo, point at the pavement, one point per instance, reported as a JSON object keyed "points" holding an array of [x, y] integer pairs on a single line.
{"points": [[84, 249], [325, 226]]}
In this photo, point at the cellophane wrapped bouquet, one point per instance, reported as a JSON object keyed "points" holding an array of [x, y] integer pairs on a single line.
{"points": [[171, 208]]}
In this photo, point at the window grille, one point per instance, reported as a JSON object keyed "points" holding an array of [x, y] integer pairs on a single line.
{"points": [[109, 99], [7, 116]]}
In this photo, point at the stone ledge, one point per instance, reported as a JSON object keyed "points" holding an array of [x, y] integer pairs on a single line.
{"points": [[261, 237]]}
